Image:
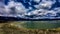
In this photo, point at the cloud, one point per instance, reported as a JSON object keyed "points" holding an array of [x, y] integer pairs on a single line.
{"points": [[20, 11], [37, 1]]}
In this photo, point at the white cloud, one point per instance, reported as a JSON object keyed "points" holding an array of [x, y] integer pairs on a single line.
{"points": [[22, 11], [37, 1], [20, 8], [11, 4]]}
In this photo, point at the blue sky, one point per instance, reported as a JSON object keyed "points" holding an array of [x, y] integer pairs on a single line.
{"points": [[32, 7]]}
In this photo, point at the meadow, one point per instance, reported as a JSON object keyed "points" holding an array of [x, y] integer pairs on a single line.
{"points": [[30, 27]]}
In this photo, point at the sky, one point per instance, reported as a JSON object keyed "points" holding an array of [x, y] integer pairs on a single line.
{"points": [[28, 8]]}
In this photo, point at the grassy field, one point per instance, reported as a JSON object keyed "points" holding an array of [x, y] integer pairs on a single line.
{"points": [[30, 27]]}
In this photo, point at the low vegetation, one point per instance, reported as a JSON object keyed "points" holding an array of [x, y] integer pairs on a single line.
{"points": [[12, 28]]}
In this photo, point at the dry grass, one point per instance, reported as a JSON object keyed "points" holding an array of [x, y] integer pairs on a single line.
{"points": [[9, 29]]}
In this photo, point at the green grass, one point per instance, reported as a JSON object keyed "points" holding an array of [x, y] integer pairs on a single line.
{"points": [[40, 24], [30, 27]]}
